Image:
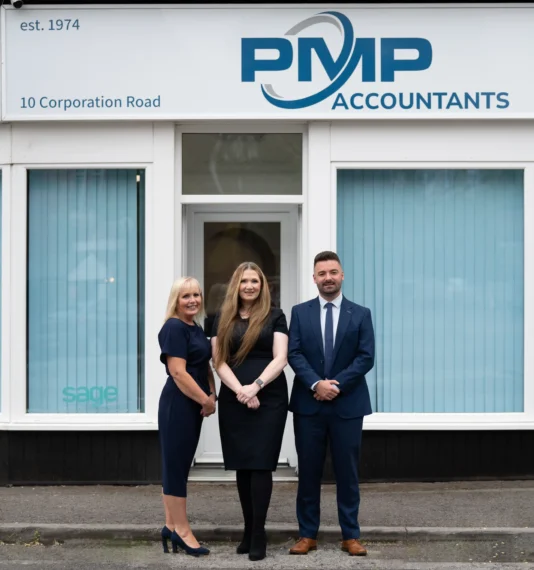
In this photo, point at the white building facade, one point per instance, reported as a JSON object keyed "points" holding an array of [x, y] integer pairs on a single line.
{"points": [[141, 143]]}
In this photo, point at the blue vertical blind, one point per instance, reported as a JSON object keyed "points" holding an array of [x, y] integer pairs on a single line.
{"points": [[437, 255], [85, 283]]}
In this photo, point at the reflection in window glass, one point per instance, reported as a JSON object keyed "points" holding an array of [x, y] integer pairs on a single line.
{"points": [[85, 291], [437, 255], [242, 163]]}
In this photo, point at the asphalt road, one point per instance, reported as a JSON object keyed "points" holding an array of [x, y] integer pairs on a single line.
{"points": [[510, 555]]}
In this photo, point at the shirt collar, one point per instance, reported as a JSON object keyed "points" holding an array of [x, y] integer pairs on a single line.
{"points": [[336, 302]]}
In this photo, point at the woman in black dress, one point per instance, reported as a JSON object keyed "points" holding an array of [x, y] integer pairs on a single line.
{"points": [[187, 398], [249, 341]]}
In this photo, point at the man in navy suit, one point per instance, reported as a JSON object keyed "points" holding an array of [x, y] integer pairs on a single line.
{"points": [[331, 348]]}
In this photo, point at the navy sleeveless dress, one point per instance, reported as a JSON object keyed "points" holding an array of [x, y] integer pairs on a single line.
{"points": [[252, 439], [179, 417]]}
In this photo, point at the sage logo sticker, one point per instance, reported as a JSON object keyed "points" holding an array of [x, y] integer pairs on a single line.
{"points": [[93, 395], [354, 52]]}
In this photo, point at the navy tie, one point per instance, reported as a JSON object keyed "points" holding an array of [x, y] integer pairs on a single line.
{"points": [[328, 340]]}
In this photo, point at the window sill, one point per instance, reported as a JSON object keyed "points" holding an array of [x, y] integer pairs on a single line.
{"points": [[450, 421], [138, 422]]}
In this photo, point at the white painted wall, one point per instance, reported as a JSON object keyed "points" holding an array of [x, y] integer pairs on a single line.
{"points": [[421, 141], [52, 143], [5, 144]]}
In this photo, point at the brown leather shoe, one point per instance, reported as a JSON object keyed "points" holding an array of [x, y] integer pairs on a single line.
{"points": [[353, 547], [303, 546]]}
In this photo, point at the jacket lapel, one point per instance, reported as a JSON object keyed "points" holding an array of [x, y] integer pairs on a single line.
{"points": [[315, 320], [345, 315]]}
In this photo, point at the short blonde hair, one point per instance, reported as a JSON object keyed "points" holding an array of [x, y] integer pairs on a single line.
{"points": [[178, 287]]}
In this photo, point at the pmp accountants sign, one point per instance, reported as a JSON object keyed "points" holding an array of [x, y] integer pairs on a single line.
{"points": [[378, 60], [186, 63]]}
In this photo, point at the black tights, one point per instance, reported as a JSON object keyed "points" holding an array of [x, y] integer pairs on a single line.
{"points": [[255, 489]]}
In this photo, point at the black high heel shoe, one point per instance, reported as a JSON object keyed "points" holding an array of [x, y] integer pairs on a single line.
{"points": [[166, 533], [177, 541], [258, 546], [244, 546]]}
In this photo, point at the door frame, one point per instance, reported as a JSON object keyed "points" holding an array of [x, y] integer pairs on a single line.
{"points": [[194, 216]]}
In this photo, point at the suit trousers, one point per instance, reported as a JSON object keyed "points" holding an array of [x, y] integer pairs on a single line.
{"points": [[344, 436]]}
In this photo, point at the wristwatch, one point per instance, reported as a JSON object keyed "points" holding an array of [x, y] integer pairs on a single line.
{"points": [[259, 382], [214, 394]]}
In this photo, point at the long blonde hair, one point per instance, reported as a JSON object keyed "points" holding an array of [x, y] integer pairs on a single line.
{"points": [[259, 313], [177, 289]]}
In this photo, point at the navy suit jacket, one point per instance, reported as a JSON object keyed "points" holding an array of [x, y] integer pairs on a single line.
{"points": [[354, 354]]}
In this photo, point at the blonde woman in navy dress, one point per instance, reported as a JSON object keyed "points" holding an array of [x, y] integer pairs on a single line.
{"points": [[187, 398]]}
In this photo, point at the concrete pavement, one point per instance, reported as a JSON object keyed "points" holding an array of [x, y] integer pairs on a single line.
{"points": [[406, 511]]}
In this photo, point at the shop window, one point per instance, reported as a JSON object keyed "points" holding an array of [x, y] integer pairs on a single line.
{"points": [[85, 291], [437, 255], [242, 163]]}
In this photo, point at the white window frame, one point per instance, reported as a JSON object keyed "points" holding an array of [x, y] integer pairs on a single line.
{"points": [[227, 204], [464, 421], [14, 250], [236, 127], [181, 200], [5, 228]]}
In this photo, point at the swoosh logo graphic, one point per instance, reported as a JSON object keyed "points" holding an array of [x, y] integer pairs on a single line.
{"points": [[346, 62]]}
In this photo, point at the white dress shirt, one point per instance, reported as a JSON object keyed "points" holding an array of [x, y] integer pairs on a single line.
{"points": [[335, 318]]}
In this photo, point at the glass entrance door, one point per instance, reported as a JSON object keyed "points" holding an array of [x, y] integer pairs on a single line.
{"points": [[219, 239]]}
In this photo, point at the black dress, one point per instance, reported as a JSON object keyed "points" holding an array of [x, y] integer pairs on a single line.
{"points": [[251, 439], [179, 416]]}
